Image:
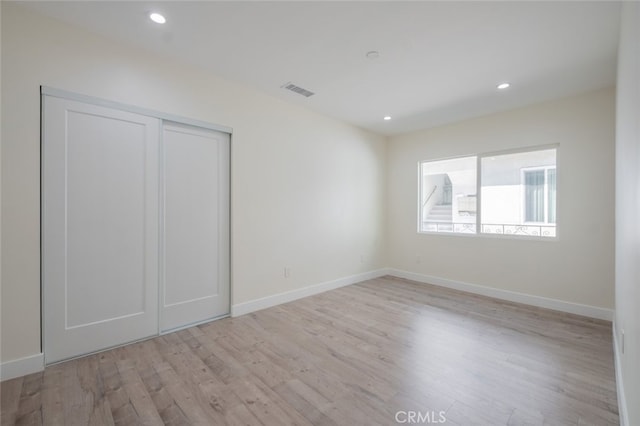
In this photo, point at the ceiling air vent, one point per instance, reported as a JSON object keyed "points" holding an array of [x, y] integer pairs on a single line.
{"points": [[297, 89]]}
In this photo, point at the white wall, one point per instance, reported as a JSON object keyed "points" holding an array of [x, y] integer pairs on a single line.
{"points": [[628, 212], [307, 191], [578, 267]]}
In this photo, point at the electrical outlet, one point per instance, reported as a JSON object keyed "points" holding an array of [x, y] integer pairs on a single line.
{"points": [[287, 272]]}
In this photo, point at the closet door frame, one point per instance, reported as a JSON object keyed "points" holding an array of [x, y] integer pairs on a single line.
{"points": [[58, 93], [46, 91]]}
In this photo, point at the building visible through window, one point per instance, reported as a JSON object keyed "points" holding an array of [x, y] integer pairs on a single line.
{"points": [[448, 201]]}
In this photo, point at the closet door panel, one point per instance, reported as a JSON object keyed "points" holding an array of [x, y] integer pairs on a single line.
{"points": [[100, 227], [195, 241]]}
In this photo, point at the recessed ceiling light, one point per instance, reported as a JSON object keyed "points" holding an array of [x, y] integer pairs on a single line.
{"points": [[157, 18], [374, 54], [386, 118], [503, 86]]}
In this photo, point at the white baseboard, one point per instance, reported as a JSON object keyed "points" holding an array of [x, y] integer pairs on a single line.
{"points": [[622, 400], [512, 296], [21, 367], [289, 296]]}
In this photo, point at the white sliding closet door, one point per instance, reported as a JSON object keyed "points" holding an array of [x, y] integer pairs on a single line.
{"points": [[99, 227], [195, 230]]}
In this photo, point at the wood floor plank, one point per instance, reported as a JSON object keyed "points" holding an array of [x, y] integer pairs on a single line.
{"points": [[359, 355], [263, 406], [306, 401], [10, 392], [140, 400], [29, 411], [52, 395], [183, 397], [241, 416], [195, 375], [93, 385]]}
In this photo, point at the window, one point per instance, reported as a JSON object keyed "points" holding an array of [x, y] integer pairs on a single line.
{"points": [[448, 201], [517, 194]]}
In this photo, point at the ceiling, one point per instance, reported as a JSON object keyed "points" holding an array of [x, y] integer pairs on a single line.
{"points": [[439, 62]]}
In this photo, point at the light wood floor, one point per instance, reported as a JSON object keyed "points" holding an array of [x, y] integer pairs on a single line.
{"points": [[366, 354]]}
